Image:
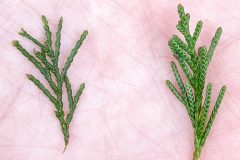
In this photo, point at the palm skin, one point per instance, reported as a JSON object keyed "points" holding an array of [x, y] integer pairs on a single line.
{"points": [[126, 111]]}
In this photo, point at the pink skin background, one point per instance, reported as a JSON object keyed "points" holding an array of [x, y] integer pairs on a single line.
{"points": [[126, 111]]}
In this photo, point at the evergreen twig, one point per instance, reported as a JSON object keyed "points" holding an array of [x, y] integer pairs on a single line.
{"points": [[194, 66], [46, 60]]}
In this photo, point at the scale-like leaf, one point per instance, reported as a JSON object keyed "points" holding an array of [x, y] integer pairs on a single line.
{"points": [[34, 40], [175, 92], [191, 100], [58, 39], [179, 81], [73, 53], [196, 33], [213, 115], [69, 92], [214, 43], [48, 36], [42, 88], [205, 109]]}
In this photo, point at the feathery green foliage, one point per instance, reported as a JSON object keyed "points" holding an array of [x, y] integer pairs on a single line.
{"points": [[194, 65], [46, 60]]}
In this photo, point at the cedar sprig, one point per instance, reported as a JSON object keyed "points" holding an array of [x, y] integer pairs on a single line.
{"points": [[46, 61], [194, 65]]}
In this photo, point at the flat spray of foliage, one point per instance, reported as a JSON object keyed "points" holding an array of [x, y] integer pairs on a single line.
{"points": [[194, 65], [46, 61]]}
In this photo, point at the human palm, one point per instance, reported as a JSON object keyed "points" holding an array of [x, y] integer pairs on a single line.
{"points": [[126, 111]]}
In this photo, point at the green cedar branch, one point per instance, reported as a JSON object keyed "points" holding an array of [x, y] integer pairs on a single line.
{"points": [[47, 62], [194, 66]]}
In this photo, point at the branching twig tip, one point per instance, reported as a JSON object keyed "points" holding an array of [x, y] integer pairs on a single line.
{"points": [[15, 42]]}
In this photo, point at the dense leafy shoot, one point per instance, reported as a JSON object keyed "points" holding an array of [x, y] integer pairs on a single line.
{"points": [[46, 61], [194, 65]]}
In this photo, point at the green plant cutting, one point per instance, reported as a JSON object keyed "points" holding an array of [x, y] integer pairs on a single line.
{"points": [[45, 59], [194, 63]]}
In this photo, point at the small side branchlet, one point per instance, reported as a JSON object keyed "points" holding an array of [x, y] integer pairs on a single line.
{"points": [[194, 65], [46, 61]]}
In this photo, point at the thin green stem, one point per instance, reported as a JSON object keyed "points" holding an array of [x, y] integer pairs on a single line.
{"points": [[197, 153]]}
